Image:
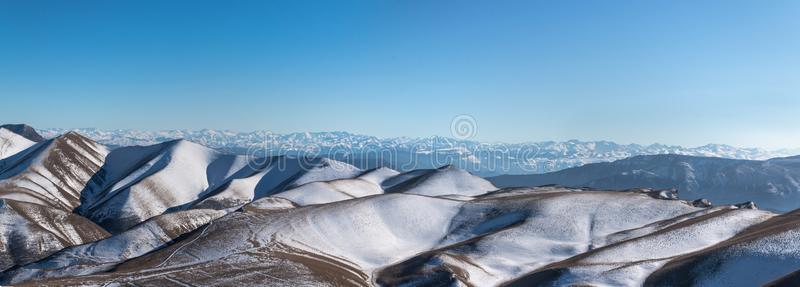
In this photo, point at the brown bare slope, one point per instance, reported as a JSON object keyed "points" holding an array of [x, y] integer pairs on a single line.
{"points": [[52, 173], [29, 232], [106, 254]]}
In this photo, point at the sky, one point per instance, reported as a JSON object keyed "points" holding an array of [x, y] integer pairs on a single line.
{"points": [[672, 72]]}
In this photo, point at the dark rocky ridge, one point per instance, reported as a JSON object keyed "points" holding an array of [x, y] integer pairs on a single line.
{"points": [[24, 130], [772, 184]]}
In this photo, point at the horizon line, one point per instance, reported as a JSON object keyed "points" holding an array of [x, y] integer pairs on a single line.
{"points": [[424, 137]]}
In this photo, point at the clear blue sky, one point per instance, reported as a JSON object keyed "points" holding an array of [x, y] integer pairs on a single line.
{"points": [[676, 72]]}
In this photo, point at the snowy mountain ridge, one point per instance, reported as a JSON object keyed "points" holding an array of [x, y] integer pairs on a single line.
{"points": [[74, 212], [404, 153]]}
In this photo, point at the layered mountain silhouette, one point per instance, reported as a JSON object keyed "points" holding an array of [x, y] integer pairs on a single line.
{"points": [[773, 184], [77, 213], [25, 131], [406, 154]]}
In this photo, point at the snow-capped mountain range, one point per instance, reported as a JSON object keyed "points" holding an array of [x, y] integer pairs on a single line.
{"points": [[404, 153], [74, 212]]}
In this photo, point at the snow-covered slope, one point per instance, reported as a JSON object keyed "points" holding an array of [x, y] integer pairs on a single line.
{"points": [[185, 214], [29, 232], [522, 236], [772, 184], [503, 235], [268, 176], [764, 253], [138, 183], [12, 143], [330, 191], [630, 261], [25, 131], [52, 173], [447, 180], [406, 154], [105, 254]]}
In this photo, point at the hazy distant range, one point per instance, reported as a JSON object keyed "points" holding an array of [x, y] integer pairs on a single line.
{"points": [[404, 153]]}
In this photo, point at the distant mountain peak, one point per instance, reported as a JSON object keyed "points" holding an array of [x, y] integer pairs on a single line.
{"points": [[484, 159]]}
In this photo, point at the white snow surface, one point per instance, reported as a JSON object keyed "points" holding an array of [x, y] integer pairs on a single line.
{"points": [[184, 213], [447, 180], [628, 263], [762, 254], [178, 173], [12, 143]]}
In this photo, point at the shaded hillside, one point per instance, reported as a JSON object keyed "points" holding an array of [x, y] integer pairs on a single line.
{"points": [[772, 184]]}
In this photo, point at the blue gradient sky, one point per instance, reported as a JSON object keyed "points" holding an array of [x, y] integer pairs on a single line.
{"points": [[676, 72]]}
